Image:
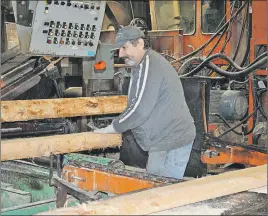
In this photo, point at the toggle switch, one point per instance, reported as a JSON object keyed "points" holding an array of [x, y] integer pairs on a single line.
{"points": [[57, 33], [58, 25], [52, 24], [67, 41], [46, 10], [92, 36], [64, 25], [94, 28], [50, 33]]}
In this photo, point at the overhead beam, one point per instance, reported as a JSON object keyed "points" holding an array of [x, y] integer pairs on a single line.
{"points": [[171, 196], [43, 146], [24, 110]]}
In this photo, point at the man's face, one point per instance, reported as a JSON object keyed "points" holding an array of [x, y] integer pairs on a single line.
{"points": [[132, 54]]}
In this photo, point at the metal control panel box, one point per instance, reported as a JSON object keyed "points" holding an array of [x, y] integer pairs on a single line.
{"points": [[67, 28]]}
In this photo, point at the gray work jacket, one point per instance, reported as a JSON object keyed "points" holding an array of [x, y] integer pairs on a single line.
{"points": [[157, 113]]}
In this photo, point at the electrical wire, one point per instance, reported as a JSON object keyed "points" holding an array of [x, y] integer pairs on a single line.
{"points": [[225, 122], [212, 37], [241, 122], [224, 30], [234, 81], [132, 11], [246, 19], [217, 42], [261, 105]]}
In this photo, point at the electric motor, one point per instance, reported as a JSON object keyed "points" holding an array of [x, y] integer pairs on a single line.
{"points": [[230, 104], [233, 105]]}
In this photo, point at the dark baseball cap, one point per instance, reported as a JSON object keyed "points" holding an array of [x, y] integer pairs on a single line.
{"points": [[126, 34]]}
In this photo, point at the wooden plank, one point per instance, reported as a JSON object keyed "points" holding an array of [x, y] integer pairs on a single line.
{"points": [[43, 146], [23, 110], [171, 196]]}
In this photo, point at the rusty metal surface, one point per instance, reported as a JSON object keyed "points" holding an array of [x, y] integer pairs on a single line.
{"points": [[234, 155], [125, 172], [110, 178]]}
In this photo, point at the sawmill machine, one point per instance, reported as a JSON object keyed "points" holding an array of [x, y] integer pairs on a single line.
{"points": [[219, 49]]}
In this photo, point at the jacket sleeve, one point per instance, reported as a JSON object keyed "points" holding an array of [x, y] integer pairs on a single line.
{"points": [[139, 110]]}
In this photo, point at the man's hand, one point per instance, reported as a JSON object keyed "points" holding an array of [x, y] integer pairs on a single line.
{"points": [[107, 130]]}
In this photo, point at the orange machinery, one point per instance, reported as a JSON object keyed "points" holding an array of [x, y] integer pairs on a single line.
{"points": [[178, 44], [258, 38]]}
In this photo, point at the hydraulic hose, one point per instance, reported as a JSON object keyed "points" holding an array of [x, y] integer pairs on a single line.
{"points": [[187, 63], [243, 71], [259, 57], [204, 62]]}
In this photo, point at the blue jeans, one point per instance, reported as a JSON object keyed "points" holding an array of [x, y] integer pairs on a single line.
{"points": [[169, 163]]}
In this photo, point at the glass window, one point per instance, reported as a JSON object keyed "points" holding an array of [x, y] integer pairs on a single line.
{"points": [[213, 12], [175, 14]]}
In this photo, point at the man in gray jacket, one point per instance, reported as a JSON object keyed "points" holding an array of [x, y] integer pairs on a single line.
{"points": [[157, 113]]}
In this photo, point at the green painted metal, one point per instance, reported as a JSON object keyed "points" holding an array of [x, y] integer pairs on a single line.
{"points": [[87, 158], [28, 178], [11, 197], [25, 187], [36, 207]]}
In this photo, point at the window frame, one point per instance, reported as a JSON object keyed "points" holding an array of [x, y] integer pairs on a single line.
{"points": [[177, 29], [201, 19]]}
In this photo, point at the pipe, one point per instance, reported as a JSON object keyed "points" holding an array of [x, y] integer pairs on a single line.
{"points": [[31, 133]]}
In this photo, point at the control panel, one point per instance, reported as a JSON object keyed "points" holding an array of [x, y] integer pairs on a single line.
{"points": [[67, 28]]}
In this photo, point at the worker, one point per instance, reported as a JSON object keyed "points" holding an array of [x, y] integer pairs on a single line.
{"points": [[157, 113]]}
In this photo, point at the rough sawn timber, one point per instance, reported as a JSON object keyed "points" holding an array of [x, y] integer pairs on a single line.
{"points": [[24, 110], [171, 196], [43, 146]]}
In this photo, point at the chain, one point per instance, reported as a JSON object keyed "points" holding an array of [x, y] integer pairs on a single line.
{"points": [[124, 172]]}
